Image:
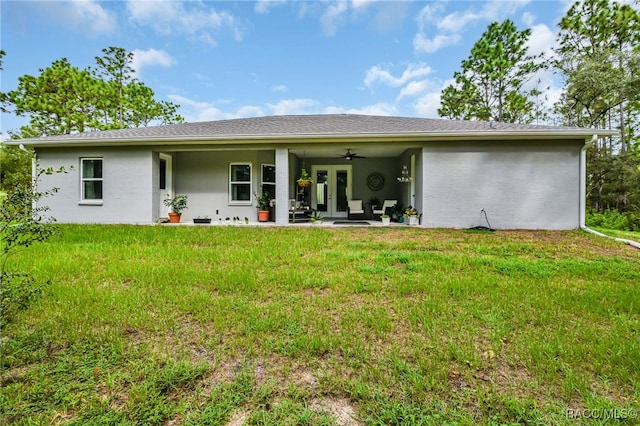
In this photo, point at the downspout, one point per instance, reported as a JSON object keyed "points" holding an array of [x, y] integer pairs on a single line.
{"points": [[583, 197]]}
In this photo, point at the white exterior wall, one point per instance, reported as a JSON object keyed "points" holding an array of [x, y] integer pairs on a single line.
{"points": [[204, 177], [520, 185], [127, 186]]}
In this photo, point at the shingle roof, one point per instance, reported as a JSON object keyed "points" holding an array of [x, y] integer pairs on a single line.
{"points": [[288, 126]]}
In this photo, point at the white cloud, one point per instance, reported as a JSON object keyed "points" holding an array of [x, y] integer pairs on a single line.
{"points": [[528, 19], [264, 6], [361, 4], [250, 111], [541, 40], [143, 58], [378, 74], [450, 27], [415, 88], [194, 19], [294, 106], [427, 106], [280, 88], [86, 16], [332, 17], [456, 21], [425, 45], [194, 111], [380, 108]]}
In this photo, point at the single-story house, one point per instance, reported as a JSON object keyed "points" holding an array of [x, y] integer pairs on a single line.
{"points": [[457, 174]]}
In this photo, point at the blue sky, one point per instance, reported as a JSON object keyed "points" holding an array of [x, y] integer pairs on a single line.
{"points": [[222, 60]]}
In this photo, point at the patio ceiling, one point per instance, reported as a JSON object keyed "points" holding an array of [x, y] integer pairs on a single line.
{"points": [[337, 150]]}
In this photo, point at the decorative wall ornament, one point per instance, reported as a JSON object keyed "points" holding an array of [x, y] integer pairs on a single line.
{"points": [[375, 181]]}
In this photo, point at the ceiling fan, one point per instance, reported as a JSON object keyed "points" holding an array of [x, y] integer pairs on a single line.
{"points": [[351, 155]]}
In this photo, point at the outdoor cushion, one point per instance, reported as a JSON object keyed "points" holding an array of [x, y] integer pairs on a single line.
{"points": [[385, 205], [355, 207]]}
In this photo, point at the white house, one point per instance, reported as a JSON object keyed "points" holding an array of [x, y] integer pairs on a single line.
{"points": [[520, 176]]}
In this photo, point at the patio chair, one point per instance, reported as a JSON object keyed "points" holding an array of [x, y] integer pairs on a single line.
{"points": [[385, 205], [355, 210]]}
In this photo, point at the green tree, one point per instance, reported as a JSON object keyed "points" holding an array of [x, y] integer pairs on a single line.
{"points": [[599, 59], [490, 85], [15, 167], [63, 99], [57, 101], [114, 70], [3, 96], [598, 56]]}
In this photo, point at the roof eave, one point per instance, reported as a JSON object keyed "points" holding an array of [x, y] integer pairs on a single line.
{"points": [[575, 134]]}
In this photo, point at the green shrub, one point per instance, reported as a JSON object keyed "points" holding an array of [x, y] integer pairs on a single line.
{"points": [[613, 219], [17, 291]]}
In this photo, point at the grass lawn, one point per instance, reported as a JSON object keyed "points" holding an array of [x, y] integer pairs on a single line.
{"points": [[629, 235], [269, 326]]}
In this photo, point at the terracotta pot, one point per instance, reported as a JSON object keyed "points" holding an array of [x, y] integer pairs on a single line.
{"points": [[174, 217], [263, 215]]}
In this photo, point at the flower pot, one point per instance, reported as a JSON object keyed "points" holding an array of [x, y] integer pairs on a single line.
{"points": [[413, 220], [201, 220], [174, 217], [263, 215], [303, 183], [386, 221]]}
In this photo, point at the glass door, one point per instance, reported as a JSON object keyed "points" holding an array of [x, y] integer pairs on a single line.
{"points": [[331, 189]]}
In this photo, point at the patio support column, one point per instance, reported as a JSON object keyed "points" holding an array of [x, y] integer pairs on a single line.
{"points": [[282, 186], [424, 203]]}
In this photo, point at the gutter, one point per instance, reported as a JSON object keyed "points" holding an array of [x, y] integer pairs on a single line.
{"points": [[248, 139], [583, 197]]}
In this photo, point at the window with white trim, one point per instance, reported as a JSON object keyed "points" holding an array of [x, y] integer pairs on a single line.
{"points": [[240, 183], [91, 179], [269, 179]]}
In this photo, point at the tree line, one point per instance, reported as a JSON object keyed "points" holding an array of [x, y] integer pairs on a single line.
{"points": [[64, 99]]}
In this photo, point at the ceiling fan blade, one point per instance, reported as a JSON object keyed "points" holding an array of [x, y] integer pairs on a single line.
{"points": [[351, 155]]}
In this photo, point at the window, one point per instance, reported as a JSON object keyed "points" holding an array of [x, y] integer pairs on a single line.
{"points": [[240, 183], [163, 173], [91, 175], [269, 179]]}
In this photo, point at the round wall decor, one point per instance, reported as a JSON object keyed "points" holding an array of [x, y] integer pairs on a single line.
{"points": [[375, 181]]}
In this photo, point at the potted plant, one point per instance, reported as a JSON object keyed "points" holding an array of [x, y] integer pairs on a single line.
{"points": [[176, 204], [305, 178], [373, 202], [398, 213], [412, 215], [264, 202], [316, 218], [199, 219], [385, 219]]}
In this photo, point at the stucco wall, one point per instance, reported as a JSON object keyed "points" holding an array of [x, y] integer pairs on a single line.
{"points": [[127, 183], [204, 177], [520, 185]]}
